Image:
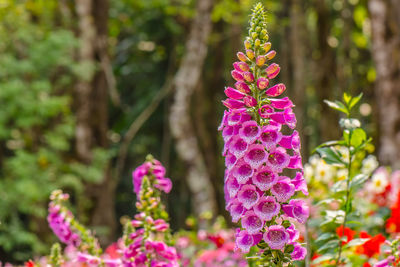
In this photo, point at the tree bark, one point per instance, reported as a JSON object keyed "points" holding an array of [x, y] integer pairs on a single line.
{"points": [[185, 82], [297, 36], [92, 109], [386, 54], [325, 85]]}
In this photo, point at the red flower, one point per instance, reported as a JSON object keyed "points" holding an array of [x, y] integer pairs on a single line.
{"points": [[393, 223], [347, 232], [29, 263], [372, 246], [112, 251], [217, 240], [367, 265]]}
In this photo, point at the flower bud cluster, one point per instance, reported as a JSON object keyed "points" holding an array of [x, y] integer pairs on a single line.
{"points": [[145, 235], [257, 155], [60, 219]]}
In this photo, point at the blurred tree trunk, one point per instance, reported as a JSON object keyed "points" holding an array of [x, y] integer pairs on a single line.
{"points": [[297, 56], [92, 108], [325, 85], [385, 22], [185, 82]]}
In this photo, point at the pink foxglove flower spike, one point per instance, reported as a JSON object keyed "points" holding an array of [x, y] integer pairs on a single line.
{"points": [[259, 194]]}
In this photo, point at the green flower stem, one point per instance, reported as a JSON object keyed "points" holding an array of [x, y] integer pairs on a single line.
{"points": [[348, 196]]}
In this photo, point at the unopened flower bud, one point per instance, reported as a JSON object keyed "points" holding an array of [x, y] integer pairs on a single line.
{"points": [[234, 94], [271, 54], [247, 44], [241, 56], [267, 46], [248, 76], [260, 61], [258, 29], [237, 76], [254, 35], [250, 101], [257, 42], [276, 90], [264, 33], [243, 87], [250, 53], [262, 83], [149, 220], [241, 66], [272, 70], [136, 223]]}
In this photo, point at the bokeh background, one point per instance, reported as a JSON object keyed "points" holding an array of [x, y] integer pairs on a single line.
{"points": [[88, 88]]}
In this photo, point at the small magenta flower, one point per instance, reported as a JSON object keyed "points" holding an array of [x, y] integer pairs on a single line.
{"points": [[299, 252], [256, 155], [233, 103], [297, 209], [265, 178], [270, 136], [248, 196], [267, 208], [276, 236], [233, 93], [249, 131], [237, 210], [243, 87], [244, 241], [248, 76], [238, 146], [272, 70], [243, 171], [249, 101], [232, 186], [237, 76], [282, 103], [252, 222], [283, 189], [276, 90]]}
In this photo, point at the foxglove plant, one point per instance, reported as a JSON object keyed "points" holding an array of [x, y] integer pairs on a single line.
{"points": [[258, 192]]}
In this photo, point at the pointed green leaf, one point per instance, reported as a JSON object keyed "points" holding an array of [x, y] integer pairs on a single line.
{"points": [[330, 156], [356, 242], [355, 100], [358, 137], [338, 106]]}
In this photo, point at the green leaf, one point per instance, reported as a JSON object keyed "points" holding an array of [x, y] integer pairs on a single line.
{"points": [[323, 258], [339, 186], [358, 180], [325, 237], [358, 137], [330, 156], [346, 98], [338, 106], [355, 100], [356, 242], [329, 245]]}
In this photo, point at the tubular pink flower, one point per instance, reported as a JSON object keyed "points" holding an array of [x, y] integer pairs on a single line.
{"points": [[237, 76], [295, 162], [233, 103], [237, 210], [250, 131], [293, 233], [270, 136], [276, 90], [252, 222], [278, 159], [249, 101], [244, 241], [230, 160], [234, 94], [291, 141], [299, 252], [283, 190], [260, 60], [232, 186], [238, 146], [262, 83], [243, 87], [256, 155], [297, 209], [248, 196], [300, 183], [264, 179], [243, 171], [265, 111], [282, 103], [267, 208], [276, 237]]}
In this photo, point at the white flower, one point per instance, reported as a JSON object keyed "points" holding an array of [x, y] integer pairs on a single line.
{"points": [[324, 172], [378, 182], [342, 174], [308, 172], [369, 164]]}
